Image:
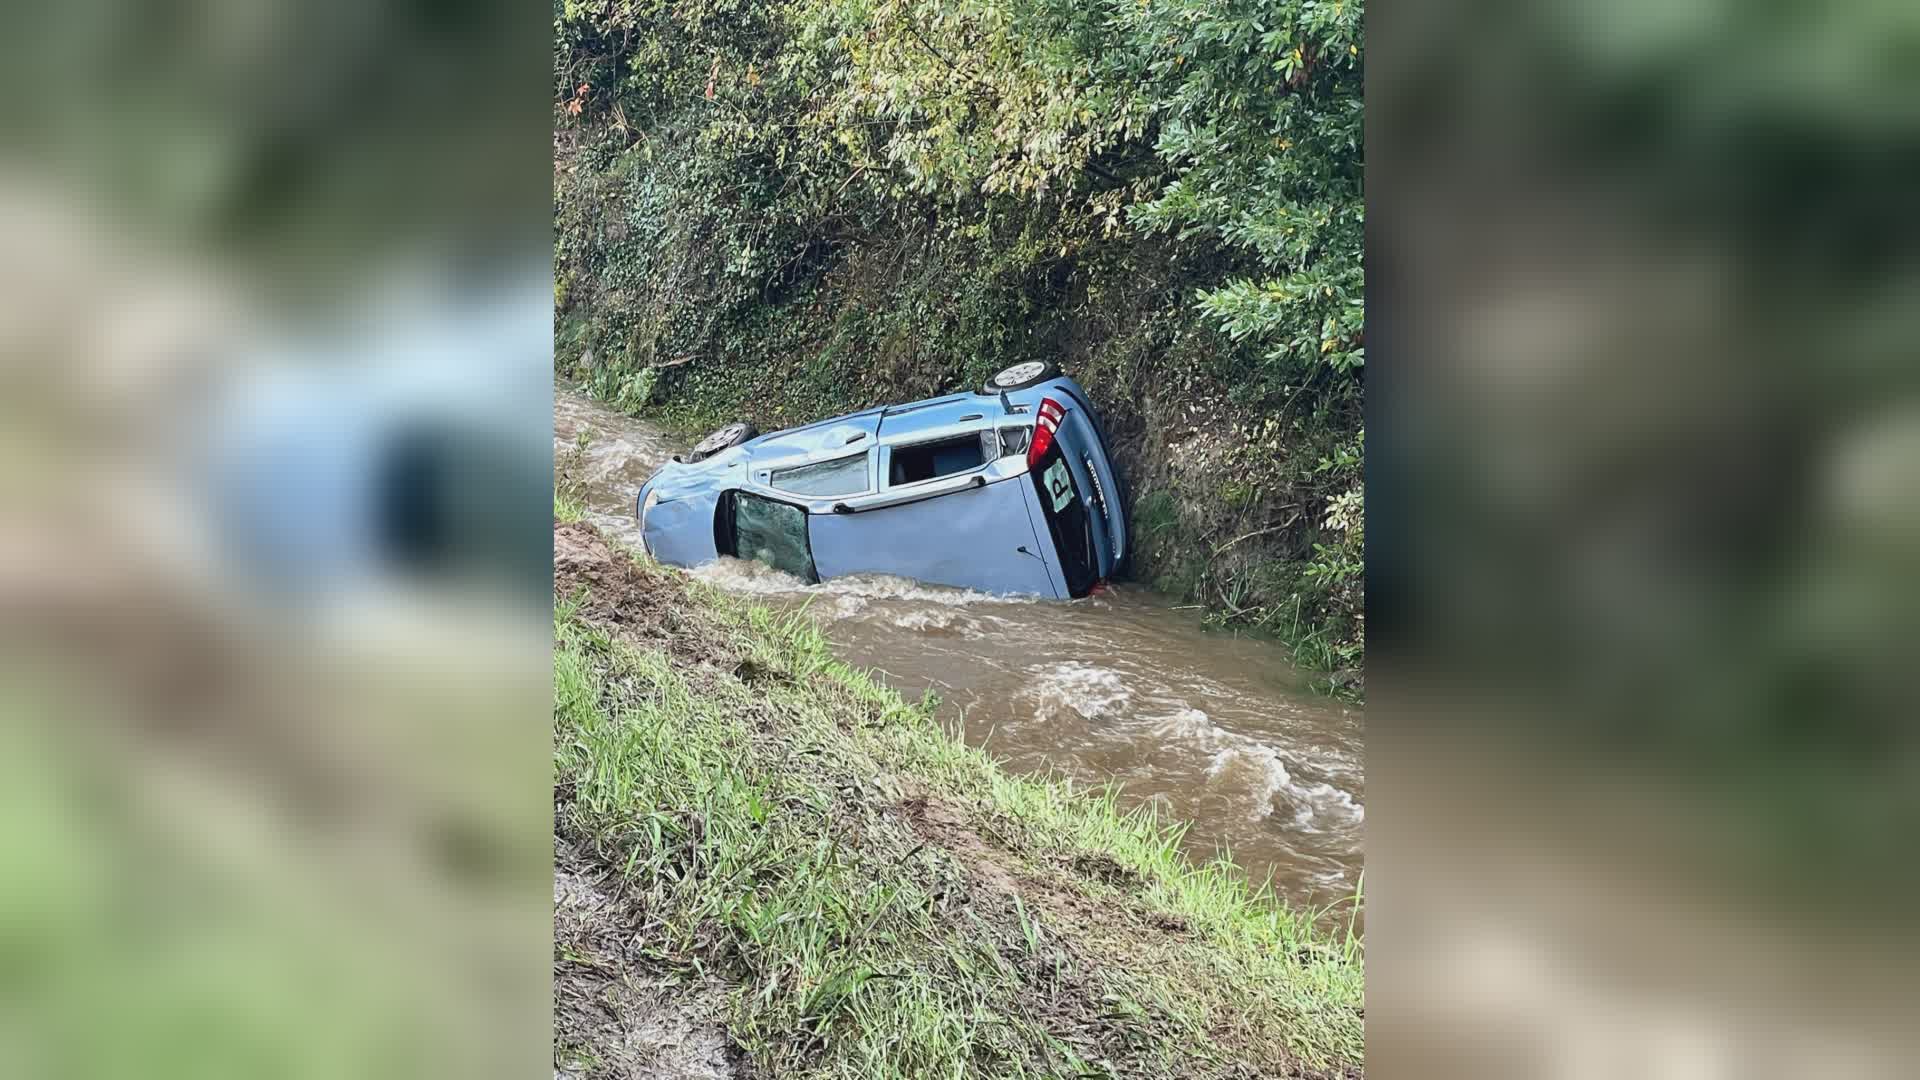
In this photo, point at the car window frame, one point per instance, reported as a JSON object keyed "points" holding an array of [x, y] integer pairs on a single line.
{"points": [[990, 452]]}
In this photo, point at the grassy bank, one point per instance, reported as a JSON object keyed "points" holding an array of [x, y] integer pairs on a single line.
{"points": [[782, 212], [792, 854]]}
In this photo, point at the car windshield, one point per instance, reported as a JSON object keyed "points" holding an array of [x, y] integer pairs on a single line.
{"points": [[773, 533]]}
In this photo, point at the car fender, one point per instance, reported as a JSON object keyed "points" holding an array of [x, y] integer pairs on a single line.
{"points": [[678, 528]]}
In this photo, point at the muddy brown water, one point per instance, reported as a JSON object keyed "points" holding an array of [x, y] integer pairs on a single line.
{"points": [[1216, 730]]}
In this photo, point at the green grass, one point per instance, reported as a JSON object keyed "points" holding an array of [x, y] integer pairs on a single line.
{"points": [[758, 797]]}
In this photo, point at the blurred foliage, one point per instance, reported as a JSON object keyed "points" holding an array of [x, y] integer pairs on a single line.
{"points": [[305, 138], [783, 211], [1652, 471], [290, 827]]}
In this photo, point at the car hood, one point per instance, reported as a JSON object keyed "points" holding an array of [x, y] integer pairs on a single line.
{"points": [[678, 529]]}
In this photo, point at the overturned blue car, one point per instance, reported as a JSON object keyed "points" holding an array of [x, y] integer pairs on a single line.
{"points": [[1005, 490]]}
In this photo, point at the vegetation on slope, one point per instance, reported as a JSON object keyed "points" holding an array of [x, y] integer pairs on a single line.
{"points": [[787, 210], [850, 891]]}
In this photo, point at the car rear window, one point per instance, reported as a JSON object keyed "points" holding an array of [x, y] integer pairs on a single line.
{"points": [[842, 476], [928, 460], [770, 532]]}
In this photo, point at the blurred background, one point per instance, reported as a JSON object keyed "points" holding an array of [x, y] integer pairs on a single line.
{"points": [[1644, 540], [275, 392]]}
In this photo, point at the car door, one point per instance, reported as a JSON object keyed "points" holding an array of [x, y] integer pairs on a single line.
{"points": [[749, 525], [978, 537], [946, 509]]}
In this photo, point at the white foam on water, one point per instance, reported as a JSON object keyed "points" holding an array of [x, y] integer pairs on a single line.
{"points": [[924, 620], [1257, 766], [1083, 688], [852, 595], [1260, 767], [1189, 724], [618, 524], [1325, 800], [1236, 761], [747, 576], [942, 619], [890, 587]]}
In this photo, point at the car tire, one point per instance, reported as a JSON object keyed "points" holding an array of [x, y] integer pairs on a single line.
{"points": [[720, 439], [1021, 376]]}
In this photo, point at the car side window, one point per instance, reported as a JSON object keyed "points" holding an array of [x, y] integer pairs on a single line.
{"points": [[930, 460], [770, 532], [841, 476]]}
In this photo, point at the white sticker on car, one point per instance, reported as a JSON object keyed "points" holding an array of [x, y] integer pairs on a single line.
{"points": [[1059, 485]]}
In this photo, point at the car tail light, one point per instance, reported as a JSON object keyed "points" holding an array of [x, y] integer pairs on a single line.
{"points": [[1044, 426]]}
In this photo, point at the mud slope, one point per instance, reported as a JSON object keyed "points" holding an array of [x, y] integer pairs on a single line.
{"points": [[769, 865]]}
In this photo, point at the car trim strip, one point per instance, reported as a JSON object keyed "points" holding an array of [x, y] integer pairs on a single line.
{"points": [[974, 481]]}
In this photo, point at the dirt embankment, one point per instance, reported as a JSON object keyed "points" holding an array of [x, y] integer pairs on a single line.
{"points": [[617, 1011], [977, 933]]}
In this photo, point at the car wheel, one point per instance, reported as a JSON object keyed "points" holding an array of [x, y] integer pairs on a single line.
{"points": [[1021, 376], [732, 435]]}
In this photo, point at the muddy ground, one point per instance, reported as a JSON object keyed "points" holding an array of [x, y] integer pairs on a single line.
{"points": [[616, 1012]]}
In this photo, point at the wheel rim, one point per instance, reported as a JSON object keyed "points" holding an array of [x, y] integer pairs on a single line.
{"points": [[1019, 373], [718, 439]]}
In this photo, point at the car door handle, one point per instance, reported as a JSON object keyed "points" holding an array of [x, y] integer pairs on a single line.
{"points": [[917, 493]]}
